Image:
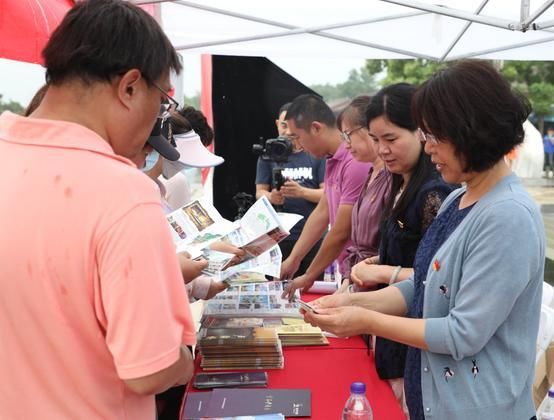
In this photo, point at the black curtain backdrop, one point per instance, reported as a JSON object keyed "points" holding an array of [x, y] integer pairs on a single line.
{"points": [[247, 93]]}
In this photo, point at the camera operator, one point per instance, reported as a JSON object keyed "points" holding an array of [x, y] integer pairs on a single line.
{"points": [[303, 177]]}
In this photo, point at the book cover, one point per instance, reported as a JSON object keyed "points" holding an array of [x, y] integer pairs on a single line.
{"points": [[229, 379], [252, 402], [196, 405]]}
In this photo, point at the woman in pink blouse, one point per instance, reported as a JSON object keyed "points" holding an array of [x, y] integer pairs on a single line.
{"points": [[367, 211]]}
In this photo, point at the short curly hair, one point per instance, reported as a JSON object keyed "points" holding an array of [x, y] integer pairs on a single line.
{"points": [[470, 105]]}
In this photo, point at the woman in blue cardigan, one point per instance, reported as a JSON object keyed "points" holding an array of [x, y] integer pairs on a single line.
{"points": [[470, 313]]}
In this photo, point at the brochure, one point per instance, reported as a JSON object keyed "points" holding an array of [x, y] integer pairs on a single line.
{"points": [[198, 224], [252, 300]]}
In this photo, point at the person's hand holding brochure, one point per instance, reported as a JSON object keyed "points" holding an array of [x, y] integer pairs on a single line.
{"points": [[230, 248]]}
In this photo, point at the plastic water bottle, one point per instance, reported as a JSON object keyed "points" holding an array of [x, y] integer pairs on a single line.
{"points": [[329, 271], [547, 411], [357, 406]]}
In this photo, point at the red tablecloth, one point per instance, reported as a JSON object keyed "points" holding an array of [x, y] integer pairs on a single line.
{"points": [[328, 372]]}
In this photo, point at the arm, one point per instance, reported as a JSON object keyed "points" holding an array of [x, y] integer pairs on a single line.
{"points": [[367, 273], [330, 249], [204, 287], [313, 194], [190, 269], [294, 189], [495, 275], [275, 197], [178, 373], [333, 243], [380, 313], [313, 230], [264, 177], [261, 190], [141, 295]]}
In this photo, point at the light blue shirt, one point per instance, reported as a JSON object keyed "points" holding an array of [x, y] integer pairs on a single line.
{"points": [[481, 334]]}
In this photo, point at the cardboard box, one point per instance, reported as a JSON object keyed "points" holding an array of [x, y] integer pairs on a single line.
{"points": [[544, 375]]}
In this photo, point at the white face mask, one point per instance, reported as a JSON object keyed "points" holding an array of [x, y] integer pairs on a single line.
{"points": [[151, 160]]}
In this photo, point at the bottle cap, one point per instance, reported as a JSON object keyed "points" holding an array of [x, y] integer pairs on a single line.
{"points": [[359, 388], [551, 392]]}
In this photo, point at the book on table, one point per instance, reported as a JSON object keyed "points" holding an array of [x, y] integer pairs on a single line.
{"points": [[233, 403], [229, 379]]}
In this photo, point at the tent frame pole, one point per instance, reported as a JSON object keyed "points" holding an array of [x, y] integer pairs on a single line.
{"points": [[457, 14], [463, 31], [528, 21], [503, 48]]}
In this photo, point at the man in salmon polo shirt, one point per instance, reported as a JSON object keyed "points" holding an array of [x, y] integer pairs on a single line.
{"points": [[94, 315], [312, 122]]}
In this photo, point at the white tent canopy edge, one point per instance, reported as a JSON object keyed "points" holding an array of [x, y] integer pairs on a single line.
{"points": [[492, 29]]}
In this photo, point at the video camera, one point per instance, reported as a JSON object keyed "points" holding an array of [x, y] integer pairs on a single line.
{"points": [[277, 150]]}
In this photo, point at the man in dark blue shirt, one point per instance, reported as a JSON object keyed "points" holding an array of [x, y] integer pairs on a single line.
{"points": [[301, 192]]}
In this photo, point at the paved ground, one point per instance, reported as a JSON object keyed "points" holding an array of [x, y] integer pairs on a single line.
{"points": [[542, 190]]}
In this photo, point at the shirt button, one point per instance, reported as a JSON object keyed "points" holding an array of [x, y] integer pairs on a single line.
{"points": [[427, 409], [426, 369]]}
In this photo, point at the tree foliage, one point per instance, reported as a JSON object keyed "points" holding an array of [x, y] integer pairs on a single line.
{"points": [[12, 106], [193, 101], [534, 79], [414, 72], [359, 82]]}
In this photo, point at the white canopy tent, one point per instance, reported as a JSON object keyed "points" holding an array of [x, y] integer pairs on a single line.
{"points": [[492, 29]]}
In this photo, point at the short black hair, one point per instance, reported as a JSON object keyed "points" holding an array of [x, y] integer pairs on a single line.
{"points": [[199, 124], [100, 39], [284, 107], [355, 111], [470, 105], [307, 108]]}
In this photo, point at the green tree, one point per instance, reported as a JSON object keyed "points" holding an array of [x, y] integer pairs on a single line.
{"points": [[408, 71], [359, 82], [12, 106], [535, 79], [193, 101]]}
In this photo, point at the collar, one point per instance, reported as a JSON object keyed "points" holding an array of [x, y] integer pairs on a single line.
{"points": [[340, 154], [53, 133]]}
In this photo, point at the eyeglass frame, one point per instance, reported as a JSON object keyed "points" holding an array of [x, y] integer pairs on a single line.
{"points": [[167, 96], [427, 137], [345, 135]]}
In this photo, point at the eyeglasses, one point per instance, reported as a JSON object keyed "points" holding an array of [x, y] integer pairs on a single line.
{"points": [[170, 101], [427, 137], [345, 135]]}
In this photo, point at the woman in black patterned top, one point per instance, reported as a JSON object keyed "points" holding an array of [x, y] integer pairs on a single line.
{"points": [[416, 195]]}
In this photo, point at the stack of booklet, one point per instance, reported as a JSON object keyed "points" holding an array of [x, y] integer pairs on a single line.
{"points": [[253, 305], [291, 331], [228, 403], [240, 348], [301, 335]]}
